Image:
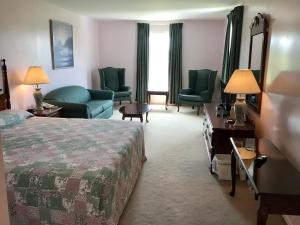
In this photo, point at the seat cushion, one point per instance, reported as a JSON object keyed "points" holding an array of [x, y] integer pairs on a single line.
{"points": [[119, 94], [112, 79], [98, 106], [192, 98]]}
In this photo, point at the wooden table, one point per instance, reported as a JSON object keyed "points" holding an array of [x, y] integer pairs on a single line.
{"points": [[217, 131], [275, 181], [50, 112], [135, 110], [166, 93]]}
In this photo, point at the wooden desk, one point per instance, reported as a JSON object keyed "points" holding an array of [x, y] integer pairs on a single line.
{"points": [[166, 93], [275, 181], [217, 132]]}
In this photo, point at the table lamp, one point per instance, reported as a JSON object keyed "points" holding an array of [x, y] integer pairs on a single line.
{"points": [[241, 82], [36, 75]]}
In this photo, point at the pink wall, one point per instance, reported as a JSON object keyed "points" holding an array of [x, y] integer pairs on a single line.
{"points": [[117, 48], [25, 41], [280, 114], [202, 46]]}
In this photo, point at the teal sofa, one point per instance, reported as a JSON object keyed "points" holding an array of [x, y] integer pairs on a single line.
{"points": [[114, 79], [201, 89], [79, 102]]}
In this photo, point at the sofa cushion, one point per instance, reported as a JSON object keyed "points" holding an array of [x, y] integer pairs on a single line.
{"points": [[193, 98], [72, 94], [98, 106], [94, 109], [112, 79]]}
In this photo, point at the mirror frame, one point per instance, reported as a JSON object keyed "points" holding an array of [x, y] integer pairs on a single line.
{"points": [[5, 96], [258, 26]]}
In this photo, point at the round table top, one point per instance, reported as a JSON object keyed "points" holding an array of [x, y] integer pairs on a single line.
{"points": [[135, 108]]}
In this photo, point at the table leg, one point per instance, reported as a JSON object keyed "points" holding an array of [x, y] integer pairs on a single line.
{"points": [[123, 117], [130, 118], [147, 117], [233, 174], [262, 216], [167, 100]]}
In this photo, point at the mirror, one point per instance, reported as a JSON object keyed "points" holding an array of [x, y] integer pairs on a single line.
{"points": [[257, 56]]}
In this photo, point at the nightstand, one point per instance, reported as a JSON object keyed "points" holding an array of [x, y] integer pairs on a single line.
{"points": [[53, 112]]}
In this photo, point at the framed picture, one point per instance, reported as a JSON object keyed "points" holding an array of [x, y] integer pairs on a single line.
{"points": [[61, 44]]}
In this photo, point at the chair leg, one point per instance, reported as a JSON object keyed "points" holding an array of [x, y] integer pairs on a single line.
{"points": [[178, 108], [130, 101], [193, 107], [120, 102], [198, 110]]}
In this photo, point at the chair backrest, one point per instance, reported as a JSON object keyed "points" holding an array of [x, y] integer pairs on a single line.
{"points": [[112, 78], [71, 94], [202, 80]]}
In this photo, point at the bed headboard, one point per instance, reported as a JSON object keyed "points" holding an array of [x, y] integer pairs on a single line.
{"points": [[4, 88]]}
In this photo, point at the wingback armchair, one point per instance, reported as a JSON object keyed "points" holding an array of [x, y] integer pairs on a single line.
{"points": [[201, 88], [114, 79]]}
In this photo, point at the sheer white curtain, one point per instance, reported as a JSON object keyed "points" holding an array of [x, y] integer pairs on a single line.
{"points": [[158, 57]]}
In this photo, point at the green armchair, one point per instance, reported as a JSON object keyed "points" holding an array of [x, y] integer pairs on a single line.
{"points": [[201, 89], [114, 79]]}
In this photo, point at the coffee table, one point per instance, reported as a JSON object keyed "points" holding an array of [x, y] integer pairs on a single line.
{"points": [[135, 110]]}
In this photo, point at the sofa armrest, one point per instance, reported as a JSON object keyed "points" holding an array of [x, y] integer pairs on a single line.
{"points": [[72, 110], [125, 88], [187, 91], [101, 94]]}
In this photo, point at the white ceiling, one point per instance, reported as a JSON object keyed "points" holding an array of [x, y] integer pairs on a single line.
{"points": [[149, 10]]}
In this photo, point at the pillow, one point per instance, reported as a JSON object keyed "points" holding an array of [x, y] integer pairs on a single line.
{"points": [[9, 118]]}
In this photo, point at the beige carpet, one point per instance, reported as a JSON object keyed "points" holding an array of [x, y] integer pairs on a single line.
{"points": [[176, 187]]}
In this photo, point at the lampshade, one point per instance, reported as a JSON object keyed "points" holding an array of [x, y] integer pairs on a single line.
{"points": [[36, 75], [242, 81]]}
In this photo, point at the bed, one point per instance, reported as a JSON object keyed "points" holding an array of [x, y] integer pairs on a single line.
{"points": [[69, 171]]}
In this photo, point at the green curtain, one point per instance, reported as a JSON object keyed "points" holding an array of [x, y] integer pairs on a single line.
{"points": [[142, 62], [175, 61], [232, 47], [225, 68]]}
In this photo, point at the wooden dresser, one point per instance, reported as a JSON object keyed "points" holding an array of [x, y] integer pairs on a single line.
{"points": [[217, 131]]}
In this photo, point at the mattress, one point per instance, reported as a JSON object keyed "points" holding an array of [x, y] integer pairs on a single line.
{"points": [[71, 171]]}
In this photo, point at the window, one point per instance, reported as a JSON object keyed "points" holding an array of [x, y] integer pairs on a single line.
{"points": [[158, 57]]}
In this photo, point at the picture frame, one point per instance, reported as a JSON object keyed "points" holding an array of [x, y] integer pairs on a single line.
{"points": [[61, 35]]}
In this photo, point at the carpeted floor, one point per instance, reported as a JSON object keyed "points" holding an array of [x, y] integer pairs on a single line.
{"points": [[176, 187]]}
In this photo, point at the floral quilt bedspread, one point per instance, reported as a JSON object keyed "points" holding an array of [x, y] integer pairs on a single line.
{"points": [[71, 171]]}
